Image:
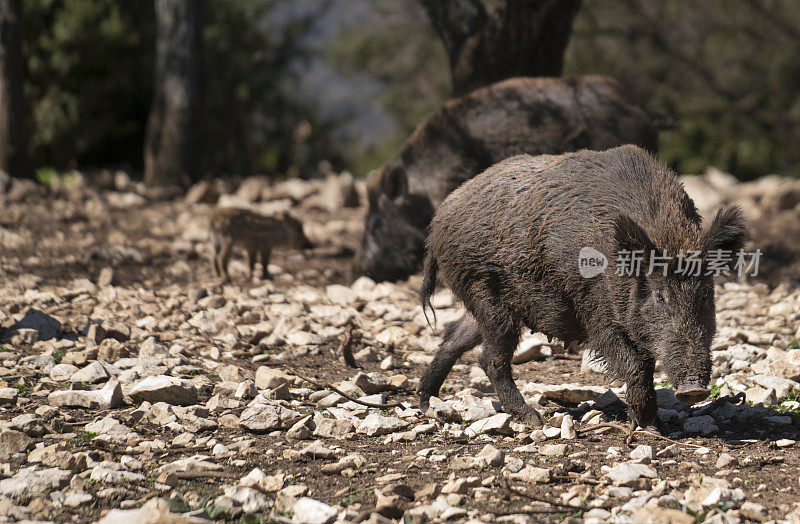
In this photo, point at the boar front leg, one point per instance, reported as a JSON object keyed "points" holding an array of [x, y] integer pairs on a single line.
{"points": [[635, 366], [459, 337]]}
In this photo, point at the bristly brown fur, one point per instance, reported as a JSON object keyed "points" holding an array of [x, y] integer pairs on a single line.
{"points": [[507, 244]]}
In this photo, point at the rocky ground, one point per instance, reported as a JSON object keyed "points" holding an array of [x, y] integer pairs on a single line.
{"points": [[135, 387]]}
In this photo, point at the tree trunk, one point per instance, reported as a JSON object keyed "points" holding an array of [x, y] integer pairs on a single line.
{"points": [[171, 141], [491, 40], [14, 158]]}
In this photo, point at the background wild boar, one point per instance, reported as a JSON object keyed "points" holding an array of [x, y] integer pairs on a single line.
{"points": [[468, 134], [507, 244]]}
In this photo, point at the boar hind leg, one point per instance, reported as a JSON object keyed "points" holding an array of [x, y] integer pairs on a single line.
{"points": [[459, 337], [223, 257], [215, 247], [496, 362], [252, 254], [265, 253]]}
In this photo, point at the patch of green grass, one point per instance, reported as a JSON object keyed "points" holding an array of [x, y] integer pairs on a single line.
{"points": [[46, 176], [217, 512], [178, 505], [715, 389], [4, 349], [58, 355], [665, 385], [355, 497], [85, 437], [793, 345], [23, 389]]}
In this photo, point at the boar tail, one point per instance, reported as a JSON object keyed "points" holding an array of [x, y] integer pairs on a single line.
{"points": [[428, 287]]}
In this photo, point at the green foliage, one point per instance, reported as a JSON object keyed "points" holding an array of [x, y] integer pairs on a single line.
{"points": [[726, 73], [89, 83], [793, 345], [249, 118], [89, 80]]}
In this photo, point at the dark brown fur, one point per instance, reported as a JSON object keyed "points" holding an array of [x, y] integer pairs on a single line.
{"points": [[467, 135], [258, 234], [507, 242]]}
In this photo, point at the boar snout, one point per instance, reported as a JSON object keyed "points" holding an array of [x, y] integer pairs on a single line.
{"points": [[692, 391]]}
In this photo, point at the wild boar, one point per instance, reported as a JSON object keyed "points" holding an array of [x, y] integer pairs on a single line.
{"points": [[257, 233], [470, 133], [508, 243]]}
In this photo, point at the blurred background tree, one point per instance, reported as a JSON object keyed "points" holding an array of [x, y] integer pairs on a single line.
{"points": [[14, 157], [89, 80], [288, 83], [489, 41], [176, 113], [726, 72]]}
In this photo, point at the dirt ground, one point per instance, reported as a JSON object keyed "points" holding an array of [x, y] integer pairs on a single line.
{"points": [[52, 242]]}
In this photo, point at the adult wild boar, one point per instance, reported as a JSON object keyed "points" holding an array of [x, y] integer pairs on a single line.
{"points": [[470, 133], [507, 244]]}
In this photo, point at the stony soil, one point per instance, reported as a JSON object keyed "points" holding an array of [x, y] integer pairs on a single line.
{"points": [[134, 385]]}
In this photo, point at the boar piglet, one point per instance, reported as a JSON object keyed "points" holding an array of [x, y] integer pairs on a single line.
{"points": [[258, 234], [507, 244]]}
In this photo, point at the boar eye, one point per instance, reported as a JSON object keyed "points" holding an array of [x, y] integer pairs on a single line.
{"points": [[659, 297]]}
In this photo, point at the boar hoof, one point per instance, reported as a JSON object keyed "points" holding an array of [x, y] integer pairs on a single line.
{"points": [[692, 395], [424, 404]]}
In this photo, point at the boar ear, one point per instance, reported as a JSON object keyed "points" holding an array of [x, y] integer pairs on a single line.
{"points": [[630, 236], [726, 232], [394, 182]]}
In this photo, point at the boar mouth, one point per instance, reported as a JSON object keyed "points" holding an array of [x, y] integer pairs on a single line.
{"points": [[692, 393]]}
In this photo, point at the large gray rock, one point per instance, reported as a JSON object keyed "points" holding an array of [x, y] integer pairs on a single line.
{"points": [[261, 417], [12, 442], [626, 473], [703, 424], [375, 424], [310, 511], [111, 428], [499, 423], [164, 388], [782, 386], [271, 378], [154, 511], [333, 428], [110, 396], [62, 372], [8, 395], [95, 372], [31, 481]]}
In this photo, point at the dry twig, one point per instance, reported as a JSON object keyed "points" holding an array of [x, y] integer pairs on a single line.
{"points": [[345, 395], [548, 500], [629, 434]]}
